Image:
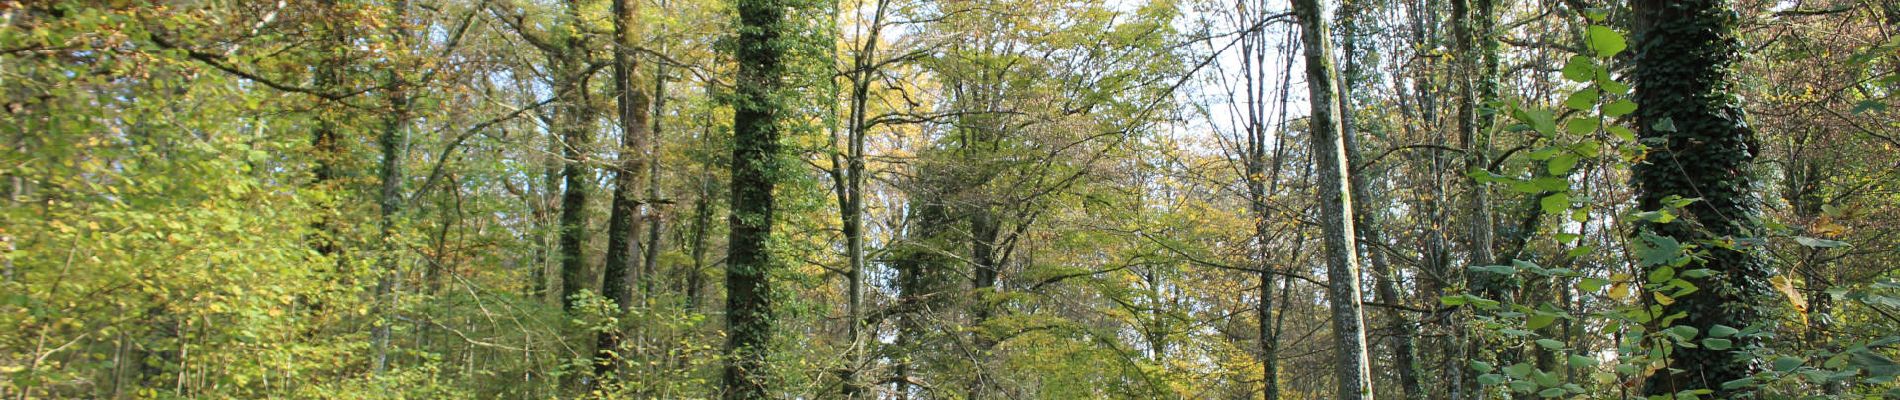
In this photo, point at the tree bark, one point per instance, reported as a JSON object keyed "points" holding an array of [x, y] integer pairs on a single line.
{"points": [[1686, 51], [755, 153], [393, 143], [1686, 54], [1352, 369], [572, 125], [623, 223]]}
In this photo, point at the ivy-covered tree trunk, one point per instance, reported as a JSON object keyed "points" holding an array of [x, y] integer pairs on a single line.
{"points": [[393, 142], [1700, 147], [755, 152], [571, 123], [1352, 368], [623, 223]]}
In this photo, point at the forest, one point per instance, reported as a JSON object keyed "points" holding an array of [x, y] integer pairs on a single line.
{"points": [[949, 199]]}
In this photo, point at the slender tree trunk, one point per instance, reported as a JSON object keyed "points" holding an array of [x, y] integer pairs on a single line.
{"points": [[393, 142], [852, 195], [623, 224], [1684, 66], [1342, 265], [756, 114], [1366, 223]]}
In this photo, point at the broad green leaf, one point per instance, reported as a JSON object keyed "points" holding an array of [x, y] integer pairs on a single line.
{"points": [[1579, 69], [1605, 40], [1583, 99], [1539, 321], [1716, 344], [1562, 163], [1786, 364], [1589, 285], [1555, 204], [1580, 126], [1619, 108]]}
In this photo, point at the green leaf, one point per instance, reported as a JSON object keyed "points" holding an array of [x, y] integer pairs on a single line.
{"points": [[1577, 361], [1495, 269], [1869, 105], [1662, 274], [1550, 344], [1698, 273], [1615, 87], [1551, 392], [1482, 367], [1518, 370], [1583, 99], [1664, 125], [1818, 242], [1555, 204], [1579, 69], [1605, 40], [1453, 300], [1590, 285], [1490, 379], [1580, 126], [1540, 321], [1657, 250], [1562, 163], [1716, 344], [1619, 108], [1786, 364], [1658, 216], [1622, 132]]}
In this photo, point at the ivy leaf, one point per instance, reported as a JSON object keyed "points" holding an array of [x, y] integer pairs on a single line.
{"points": [[1664, 125], [1606, 41]]}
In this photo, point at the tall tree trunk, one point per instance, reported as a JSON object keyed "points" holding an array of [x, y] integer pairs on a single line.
{"points": [[623, 224], [572, 124], [1366, 222], [393, 142], [655, 224], [755, 153], [1684, 66], [852, 197], [1342, 265]]}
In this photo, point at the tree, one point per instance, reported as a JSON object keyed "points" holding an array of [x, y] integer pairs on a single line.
{"points": [[757, 113], [624, 251], [1352, 370], [1686, 53]]}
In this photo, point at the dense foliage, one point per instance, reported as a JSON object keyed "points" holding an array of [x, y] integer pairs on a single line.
{"points": [[967, 199]]}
